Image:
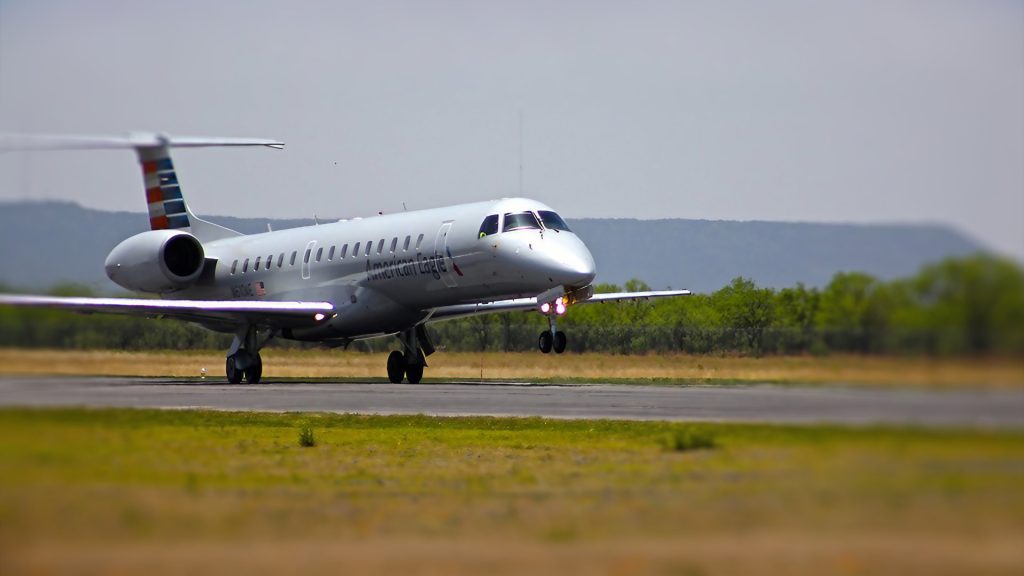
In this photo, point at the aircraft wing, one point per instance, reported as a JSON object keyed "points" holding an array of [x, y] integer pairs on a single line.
{"points": [[463, 310], [613, 296], [268, 313]]}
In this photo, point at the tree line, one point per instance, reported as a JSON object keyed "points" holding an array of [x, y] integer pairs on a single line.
{"points": [[963, 306]]}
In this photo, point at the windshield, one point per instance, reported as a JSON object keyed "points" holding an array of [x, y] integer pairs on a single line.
{"points": [[552, 221], [489, 226], [521, 221]]}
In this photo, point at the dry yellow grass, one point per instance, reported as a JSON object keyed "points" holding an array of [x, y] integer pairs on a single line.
{"points": [[1005, 373]]}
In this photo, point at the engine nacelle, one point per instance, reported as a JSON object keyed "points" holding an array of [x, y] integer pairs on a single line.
{"points": [[156, 261]]}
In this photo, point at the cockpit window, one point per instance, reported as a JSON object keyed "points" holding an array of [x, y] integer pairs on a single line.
{"points": [[552, 221], [521, 221], [489, 226]]}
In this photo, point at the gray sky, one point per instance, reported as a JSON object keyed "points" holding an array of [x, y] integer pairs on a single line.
{"points": [[863, 111]]}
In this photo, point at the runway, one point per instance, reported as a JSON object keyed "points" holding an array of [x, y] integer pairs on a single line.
{"points": [[754, 403]]}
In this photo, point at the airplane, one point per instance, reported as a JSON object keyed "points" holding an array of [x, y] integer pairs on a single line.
{"points": [[334, 283]]}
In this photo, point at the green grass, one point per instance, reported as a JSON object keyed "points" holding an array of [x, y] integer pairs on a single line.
{"points": [[307, 439], [80, 475], [682, 440]]}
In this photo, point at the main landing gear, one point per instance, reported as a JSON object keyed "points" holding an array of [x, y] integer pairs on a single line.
{"points": [[552, 338], [244, 359], [409, 362]]}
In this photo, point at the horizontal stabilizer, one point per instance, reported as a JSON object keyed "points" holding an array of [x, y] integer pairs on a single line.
{"points": [[17, 142]]}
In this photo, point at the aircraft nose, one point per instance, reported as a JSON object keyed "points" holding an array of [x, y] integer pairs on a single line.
{"points": [[573, 264]]}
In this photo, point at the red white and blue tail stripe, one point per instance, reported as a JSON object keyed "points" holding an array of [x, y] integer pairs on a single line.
{"points": [[167, 208]]}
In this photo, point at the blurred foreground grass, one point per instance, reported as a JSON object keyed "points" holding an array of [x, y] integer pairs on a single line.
{"points": [[996, 373], [108, 491]]}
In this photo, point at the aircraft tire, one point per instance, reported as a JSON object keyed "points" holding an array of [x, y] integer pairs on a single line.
{"points": [[233, 373], [544, 342], [414, 372], [559, 343], [254, 372], [396, 367]]}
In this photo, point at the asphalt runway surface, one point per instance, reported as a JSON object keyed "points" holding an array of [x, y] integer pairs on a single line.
{"points": [[753, 403]]}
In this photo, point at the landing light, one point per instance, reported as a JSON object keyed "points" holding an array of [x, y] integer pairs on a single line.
{"points": [[318, 317], [545, 307]]}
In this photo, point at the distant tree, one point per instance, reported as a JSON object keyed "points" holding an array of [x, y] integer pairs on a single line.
{"points": [[795, 312], [976, 304], [747, 309], [852, 312], [637, 285]]}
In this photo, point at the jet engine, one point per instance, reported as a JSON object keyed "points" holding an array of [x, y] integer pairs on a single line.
{"points": [[156, 261]]}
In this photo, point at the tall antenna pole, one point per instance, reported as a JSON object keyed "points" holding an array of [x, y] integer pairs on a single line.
{"points": [[520, 152]]}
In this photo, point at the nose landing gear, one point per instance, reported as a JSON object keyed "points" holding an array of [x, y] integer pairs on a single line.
{"points": [[552, 338]]}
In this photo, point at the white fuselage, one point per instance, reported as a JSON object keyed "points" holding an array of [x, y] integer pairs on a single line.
{"points": [[386, 273]]}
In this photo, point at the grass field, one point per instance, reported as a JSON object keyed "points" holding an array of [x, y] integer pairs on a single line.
{"points": [[1004, 373], [130, 491]]}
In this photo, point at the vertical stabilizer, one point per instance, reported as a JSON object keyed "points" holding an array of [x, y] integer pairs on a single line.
{"points": [[164, 200], [166, 205]]}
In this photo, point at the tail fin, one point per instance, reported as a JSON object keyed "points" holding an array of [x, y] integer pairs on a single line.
{"points": [[167, 207]]}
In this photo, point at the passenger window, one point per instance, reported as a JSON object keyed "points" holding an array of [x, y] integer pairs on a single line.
{"points": [[319, 253], [245, 266], [369, 247], [405, 247], [344, 250], [380, 246], [234, 266], [552, 221], [419, 241], [280, 259], [355, 249], [394, 244], [489, 226], [330, 255], [305, 257], [521, 221], [256, 266], [270, 260], [291, 262]]}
